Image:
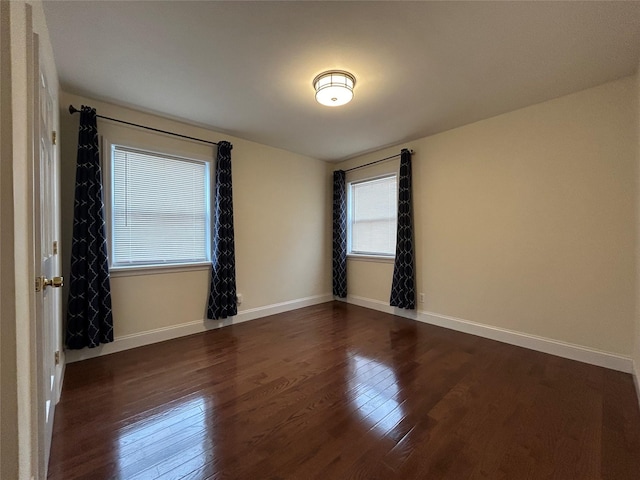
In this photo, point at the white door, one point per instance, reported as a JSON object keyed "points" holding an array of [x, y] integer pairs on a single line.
{"points": [[46, 256]]}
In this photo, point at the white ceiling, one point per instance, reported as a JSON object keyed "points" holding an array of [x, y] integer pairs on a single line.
{"points": [[245, 68]]}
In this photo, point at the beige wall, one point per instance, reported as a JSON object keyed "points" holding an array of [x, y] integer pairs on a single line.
{"points": [[8, 366], [280, 206], [525, 221], [636, 353], [22, 231]]}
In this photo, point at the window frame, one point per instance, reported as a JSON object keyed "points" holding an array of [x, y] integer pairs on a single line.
{"points": [[107, 149], [366, 256]]}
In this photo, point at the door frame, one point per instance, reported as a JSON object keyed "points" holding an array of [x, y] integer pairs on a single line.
{"points": [[20, 445]]}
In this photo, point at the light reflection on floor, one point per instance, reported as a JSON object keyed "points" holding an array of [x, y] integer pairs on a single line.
{"points": [[374, 390], [182, 428]]}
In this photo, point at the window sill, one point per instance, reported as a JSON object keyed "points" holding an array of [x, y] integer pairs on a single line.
{"points": [[158, 269], [371, 258]]}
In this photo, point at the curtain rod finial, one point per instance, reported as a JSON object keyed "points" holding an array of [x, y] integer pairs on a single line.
{"points": [[73, 109]]}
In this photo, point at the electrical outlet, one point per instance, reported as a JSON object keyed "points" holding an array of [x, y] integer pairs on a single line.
{"points": [[421, 297], [239, 299]]}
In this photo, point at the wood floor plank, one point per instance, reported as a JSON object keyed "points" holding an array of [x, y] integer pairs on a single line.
{"points": [[336, 391]]}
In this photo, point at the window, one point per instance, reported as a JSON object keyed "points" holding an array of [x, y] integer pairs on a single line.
{"points": [[372, 216], [159, 212]]}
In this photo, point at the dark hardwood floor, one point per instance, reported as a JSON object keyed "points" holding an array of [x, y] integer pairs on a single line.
{"points": [[337, 391]]}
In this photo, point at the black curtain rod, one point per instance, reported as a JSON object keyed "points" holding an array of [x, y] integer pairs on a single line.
{"points": [[377, 161], [73, 110]]}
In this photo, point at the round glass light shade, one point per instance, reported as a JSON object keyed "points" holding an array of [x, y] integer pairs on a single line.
{"points": [[334, 88]]}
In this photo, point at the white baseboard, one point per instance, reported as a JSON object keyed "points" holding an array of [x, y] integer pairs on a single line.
{"points": [[636, 380], [532, 342], [380, 306], [59, 377], [167, 333]]}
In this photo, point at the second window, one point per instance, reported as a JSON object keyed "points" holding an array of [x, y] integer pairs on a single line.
{"points": [[372, 216]]}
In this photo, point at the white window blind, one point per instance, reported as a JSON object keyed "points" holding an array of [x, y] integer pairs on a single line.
{"points": [[372, 216], [160, 209]]}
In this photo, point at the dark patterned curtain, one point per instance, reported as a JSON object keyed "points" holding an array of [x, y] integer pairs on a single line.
{"points": [[339, 234], [89, 318], [222, 292], [403, 293]]}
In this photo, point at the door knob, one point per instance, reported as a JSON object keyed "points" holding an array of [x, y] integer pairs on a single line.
{"points": [[55, 282]]}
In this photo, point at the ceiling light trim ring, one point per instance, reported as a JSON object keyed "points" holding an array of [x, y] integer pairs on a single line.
{"points": [[334, 87]]}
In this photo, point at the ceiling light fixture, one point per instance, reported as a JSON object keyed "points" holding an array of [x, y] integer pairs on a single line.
{"points": [[334, 88]]}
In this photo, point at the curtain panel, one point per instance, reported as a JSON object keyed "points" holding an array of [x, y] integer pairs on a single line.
{"points": [[339, 234], [403, 294], [222, 291], [89, 316]]}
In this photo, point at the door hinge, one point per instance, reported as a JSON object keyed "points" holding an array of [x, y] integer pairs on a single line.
{"points": [[39, 284], [55, 247], [56, 357], [54, 137]]}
